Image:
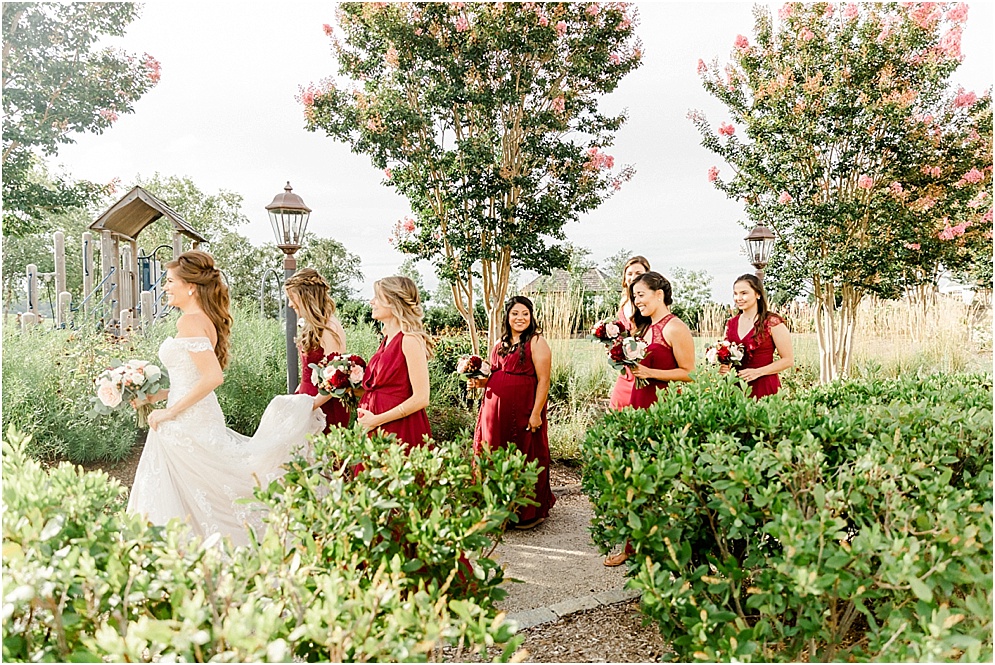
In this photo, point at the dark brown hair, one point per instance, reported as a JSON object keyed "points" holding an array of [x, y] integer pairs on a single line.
{"points": [[656, 282], [197, 268], [763, 308]]}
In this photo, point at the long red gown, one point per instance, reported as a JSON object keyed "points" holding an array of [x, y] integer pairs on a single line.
{"points": [[336, 413], [387, 384], [659, 355], [504, 417], [758, 354]]}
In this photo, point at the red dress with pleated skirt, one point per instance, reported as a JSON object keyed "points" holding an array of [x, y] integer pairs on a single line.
{"points": [[387, 384], [758, 353], [504, 418], [659, 355], [336, 413]]}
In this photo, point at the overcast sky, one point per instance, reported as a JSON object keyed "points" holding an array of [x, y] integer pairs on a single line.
{"points": [[224, 114]]}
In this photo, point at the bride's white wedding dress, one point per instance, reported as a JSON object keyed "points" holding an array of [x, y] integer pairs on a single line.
{"points": [[196, 469]]}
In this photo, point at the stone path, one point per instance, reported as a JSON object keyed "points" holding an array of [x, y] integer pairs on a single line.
{"points": [[559, 568]]}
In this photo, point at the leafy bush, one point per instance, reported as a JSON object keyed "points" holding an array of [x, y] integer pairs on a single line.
{"points": [[48, 382], [851, 522], [364, 569]]}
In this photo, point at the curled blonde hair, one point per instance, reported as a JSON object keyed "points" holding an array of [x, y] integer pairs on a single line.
{"points": [[399, 294], [317, 307], [197, 268]]}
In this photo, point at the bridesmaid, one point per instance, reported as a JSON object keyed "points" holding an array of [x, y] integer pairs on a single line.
{"points": [[633, 268], [761, 332], [395, 385], [513, 411], [669, 356], [321, 335], [670, 352]]}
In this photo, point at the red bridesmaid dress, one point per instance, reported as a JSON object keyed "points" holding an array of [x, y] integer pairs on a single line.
{"points": [[758, 353], [504, 417], [659, 355], [336, 413], [387, 384]]}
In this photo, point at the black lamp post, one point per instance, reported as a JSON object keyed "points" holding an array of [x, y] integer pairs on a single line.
{"points": [[759, 244], [289, 216]]}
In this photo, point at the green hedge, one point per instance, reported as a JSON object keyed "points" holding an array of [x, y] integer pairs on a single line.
{"points": [[851, 522], [364, 569]]}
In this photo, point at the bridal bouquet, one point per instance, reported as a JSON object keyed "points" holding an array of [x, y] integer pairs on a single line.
{"points": [[607, 332], [628, 352], [122, 382], [337, 375], [724, 352], [472, 367]]}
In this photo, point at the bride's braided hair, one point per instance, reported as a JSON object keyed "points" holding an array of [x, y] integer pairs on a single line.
{"points": [[197, 268], [317, 307], [400, 295]]}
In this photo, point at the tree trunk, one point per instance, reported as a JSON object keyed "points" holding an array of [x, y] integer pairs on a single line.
{"points": [[463, 300], [835, 330]]}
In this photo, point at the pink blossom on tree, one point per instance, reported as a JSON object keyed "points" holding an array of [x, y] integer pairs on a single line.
{"points": [[726, 129], [973, 176], [865, 182], [614, 59], [153, 67], [950, 44], [926, 15], [391, 57], [784, 198], [850, 11], [561, 28], [108, 114], [958, 14], [807, 34], [593, 9], [742, 43], [329, 30], [786, 11], [543, 21], [559, 104], [388, 173], [702, 67], [462, 25], [913, 246], [713, 173]]}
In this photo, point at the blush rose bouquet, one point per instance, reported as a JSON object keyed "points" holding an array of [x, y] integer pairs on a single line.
{"points": [[124, 381]]}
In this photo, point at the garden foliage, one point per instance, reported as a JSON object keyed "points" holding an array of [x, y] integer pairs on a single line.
{"points": [[387, 566], [853, 521]]}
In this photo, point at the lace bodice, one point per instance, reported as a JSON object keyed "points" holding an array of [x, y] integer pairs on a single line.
{"points": [[174, 352]]}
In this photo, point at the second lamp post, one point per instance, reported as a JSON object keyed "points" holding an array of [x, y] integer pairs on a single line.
{"points": [[759, 244], [289, 216]]}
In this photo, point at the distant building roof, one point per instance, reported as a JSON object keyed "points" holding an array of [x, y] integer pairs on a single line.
{"points": [[558, 281], [136, 210]]}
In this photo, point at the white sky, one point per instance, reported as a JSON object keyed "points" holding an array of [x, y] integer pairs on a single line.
{"points": [[224, 114]]}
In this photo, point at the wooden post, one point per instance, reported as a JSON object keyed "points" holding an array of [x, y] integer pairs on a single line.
{"points": [[116, 278], [60, 261], [133, 276], [148, 313], [177, 245], [107, 258], [62, 312], [124, 284], [127, 323], [27, 320], [32, 273], [87, 266]]}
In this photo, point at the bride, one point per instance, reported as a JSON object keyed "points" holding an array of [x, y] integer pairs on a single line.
{"points": [[193, 467]]}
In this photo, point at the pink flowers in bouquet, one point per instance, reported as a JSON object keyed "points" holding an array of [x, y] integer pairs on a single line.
{"points": [[725, 352], [337, 375], [607, 332], [472, 367], [627, 352], [122, 382]]}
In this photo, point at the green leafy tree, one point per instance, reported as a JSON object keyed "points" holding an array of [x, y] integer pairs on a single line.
{"points": [[692, 291], [409, 268], [57, 84], [833, 107], [336, 264], [485, 117]]}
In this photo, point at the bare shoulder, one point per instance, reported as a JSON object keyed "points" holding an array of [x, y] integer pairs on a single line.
{"points": [[414, 344], [196, 325], [540, 344], [675, 328]]}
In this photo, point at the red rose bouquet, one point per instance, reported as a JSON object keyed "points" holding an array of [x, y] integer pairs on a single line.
{"points": [[338, 375], [472, 367]]}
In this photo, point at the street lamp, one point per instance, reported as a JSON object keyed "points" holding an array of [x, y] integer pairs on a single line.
{"points": [[288, 216], [759, 244]]}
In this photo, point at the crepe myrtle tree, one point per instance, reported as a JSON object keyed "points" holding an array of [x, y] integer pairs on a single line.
{"points": [[57, 83], [834, 111], [485, 117]]}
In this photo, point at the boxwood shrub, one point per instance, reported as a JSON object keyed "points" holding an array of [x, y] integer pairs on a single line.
{"points": [[850, 522], [389, 565]]}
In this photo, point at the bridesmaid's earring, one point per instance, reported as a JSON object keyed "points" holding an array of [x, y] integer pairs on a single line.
{"points": [[190, 292]]}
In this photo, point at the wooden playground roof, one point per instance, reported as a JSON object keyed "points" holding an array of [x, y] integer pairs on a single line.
{"points": [[136, 210]]}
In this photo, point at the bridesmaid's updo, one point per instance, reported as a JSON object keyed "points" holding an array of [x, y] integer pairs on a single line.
{"points": [[654, 281], [400, 295], [197, 268]]}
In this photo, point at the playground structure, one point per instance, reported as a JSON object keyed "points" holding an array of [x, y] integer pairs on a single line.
{"points": [[129, 289]]}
